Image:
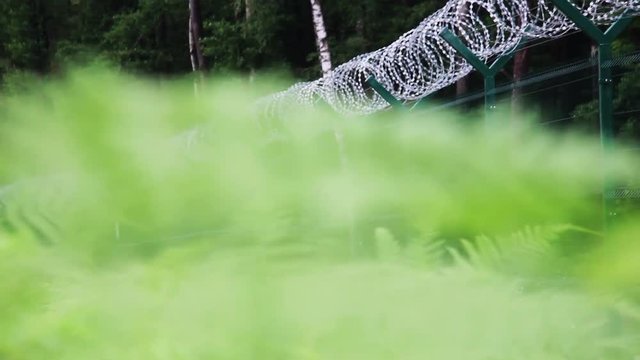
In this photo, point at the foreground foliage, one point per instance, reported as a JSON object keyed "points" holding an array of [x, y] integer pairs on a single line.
{"points": [[254, 238]]}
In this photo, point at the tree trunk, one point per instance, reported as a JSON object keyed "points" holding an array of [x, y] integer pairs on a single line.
{"points": [[248, 17], [44, 37], [195, 49], [324, 56], [462, 85], [321, 37], [195, 29], [520, 69], [248, 9]]}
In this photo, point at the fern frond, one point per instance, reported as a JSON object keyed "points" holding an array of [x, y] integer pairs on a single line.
{"points": [[531, 248]]}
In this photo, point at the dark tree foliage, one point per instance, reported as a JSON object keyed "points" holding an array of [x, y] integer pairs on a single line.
{"points": [[42, 37]]}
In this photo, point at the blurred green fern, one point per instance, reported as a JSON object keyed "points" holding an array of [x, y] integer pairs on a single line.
{"points": [[244, 238]]}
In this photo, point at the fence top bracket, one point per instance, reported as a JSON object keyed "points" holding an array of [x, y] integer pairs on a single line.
{"points": [[384, 93]]}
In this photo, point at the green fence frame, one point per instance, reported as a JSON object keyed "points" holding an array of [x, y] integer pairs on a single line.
{"points": [[488, 72], [605, 58], [605, 87], [384, 93]]}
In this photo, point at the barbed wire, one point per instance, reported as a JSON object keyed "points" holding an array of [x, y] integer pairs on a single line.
{"points": [[420, 62]]}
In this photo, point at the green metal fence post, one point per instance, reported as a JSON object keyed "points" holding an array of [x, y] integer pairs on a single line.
{"points": [[384, 93], [605, 95], [489, 94], [488, 72], [420, 103], [605, 56]]}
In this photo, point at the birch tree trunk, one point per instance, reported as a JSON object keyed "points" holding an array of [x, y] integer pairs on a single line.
{"points": [[195, 48], [321, 37], [195, 30], [324, 56]]}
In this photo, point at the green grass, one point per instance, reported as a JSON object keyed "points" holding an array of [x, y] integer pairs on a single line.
{"points": [[423, 237]]}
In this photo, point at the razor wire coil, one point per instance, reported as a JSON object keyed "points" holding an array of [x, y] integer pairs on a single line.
{"points": [[420, 62]]}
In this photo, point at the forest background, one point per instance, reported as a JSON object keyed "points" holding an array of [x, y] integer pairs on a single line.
{"points": [[42, 38]]}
